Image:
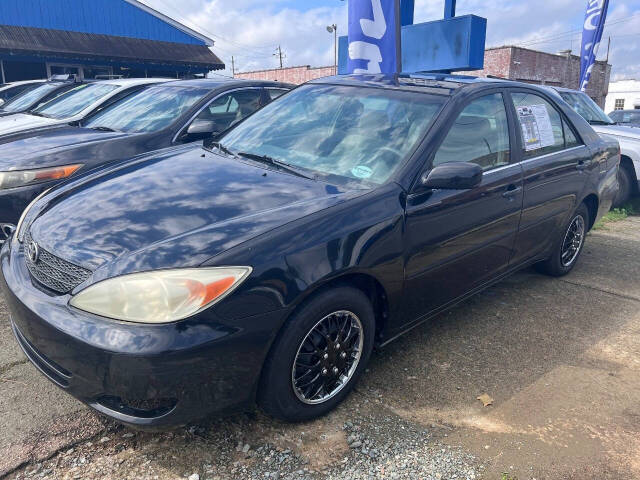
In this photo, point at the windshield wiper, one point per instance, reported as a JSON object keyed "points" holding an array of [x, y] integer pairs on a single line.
{"points": [[101, 128], [275, 163], [38, 114], [599, 122], [222, 148]]}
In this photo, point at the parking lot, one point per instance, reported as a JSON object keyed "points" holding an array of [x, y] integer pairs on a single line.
{"points": [[559, 357]]}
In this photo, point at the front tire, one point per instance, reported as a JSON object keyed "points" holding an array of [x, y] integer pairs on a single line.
{"points": [[569, 245], [319, 356]]}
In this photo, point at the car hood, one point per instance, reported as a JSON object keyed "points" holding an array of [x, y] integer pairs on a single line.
{"points": [[618, 131], [24, 121], [48, 147], [176, 209]]}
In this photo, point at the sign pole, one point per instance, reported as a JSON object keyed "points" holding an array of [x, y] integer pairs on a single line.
{"points": [[398, 24]]}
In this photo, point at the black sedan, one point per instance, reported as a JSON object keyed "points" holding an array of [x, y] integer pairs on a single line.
{"points": [[160, 116], [266, 266]]}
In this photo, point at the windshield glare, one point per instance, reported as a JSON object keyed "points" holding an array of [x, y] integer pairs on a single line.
{"points": [[149, 110], [26, 99], [353, 132], [586, 107], [75, 100]]}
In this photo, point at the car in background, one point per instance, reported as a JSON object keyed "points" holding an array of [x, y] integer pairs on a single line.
{"points": [[266, 265], [628, 137], [156, 117], [629, 118], [74, 105], [36, 96], [10, 90]]}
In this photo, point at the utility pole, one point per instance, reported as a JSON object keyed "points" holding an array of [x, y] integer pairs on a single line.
{"points": [[279, 54], [334, 29], [233, 66]]}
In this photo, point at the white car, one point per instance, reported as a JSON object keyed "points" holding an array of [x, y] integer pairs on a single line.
{"points": [[74, 105], [628, 137], [10, 90]]}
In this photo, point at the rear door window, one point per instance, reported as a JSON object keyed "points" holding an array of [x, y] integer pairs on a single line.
{"points": [[542, 129]]}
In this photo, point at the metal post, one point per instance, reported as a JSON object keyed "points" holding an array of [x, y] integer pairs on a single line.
{"points": [[398, 38], [2, 71], [335, 49], [449, 8], [233, 66]]}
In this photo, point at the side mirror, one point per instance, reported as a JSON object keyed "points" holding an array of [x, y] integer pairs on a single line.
{"points": [[453, 176], [200, 129], [1, 102]]}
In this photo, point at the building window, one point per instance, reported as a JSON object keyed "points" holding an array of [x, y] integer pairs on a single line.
{"points": [[619, 104]]}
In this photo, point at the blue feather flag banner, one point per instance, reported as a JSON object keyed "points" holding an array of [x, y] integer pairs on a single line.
{"points": [[374, 36], [591, 35]]}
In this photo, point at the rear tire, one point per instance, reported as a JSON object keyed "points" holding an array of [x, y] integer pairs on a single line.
{"points": [[569, 245], [328, 342], [625, 187]]}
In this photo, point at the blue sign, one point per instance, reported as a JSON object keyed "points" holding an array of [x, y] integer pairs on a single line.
{"points": [[591, 35], [455, 43], [373, 36]]}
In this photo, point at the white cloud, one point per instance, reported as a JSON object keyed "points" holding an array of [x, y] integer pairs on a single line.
{"points": [[250, 30]]}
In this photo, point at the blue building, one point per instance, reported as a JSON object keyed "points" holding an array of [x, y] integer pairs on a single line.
{"points": [[89, 38]]}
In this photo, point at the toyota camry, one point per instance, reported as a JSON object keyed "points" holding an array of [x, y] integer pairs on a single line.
{"points": [[265, 267]]}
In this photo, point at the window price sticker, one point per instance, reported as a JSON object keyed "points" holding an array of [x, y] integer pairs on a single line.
{"points": [[536, 127]]}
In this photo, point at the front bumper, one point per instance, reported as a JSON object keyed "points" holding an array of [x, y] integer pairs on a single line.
{"points": [[142, 375]]}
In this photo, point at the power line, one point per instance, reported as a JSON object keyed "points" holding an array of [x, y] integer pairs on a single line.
{"points": [[178, 17], [576, 32]]}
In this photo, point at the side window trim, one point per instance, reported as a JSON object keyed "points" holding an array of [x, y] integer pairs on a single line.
{"points": [[205, 105], [564, 119]]}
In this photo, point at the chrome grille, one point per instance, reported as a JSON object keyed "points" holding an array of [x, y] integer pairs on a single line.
{"points": [[53, 272]]}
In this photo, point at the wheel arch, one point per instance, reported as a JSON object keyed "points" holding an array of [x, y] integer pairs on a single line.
{"points": [[593, 204], [366, 283]]}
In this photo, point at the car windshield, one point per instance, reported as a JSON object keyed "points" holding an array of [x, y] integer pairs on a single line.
{"points": [[586, 108], [150, 110], [357, 133], [28, 98], [74, 101]]}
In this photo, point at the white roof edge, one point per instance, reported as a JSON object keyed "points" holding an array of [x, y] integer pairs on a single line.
{"points": [[171, 21]]}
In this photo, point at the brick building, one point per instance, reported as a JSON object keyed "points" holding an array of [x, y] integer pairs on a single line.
{"points": [[541, 68], [296, 75], [513, 63]]}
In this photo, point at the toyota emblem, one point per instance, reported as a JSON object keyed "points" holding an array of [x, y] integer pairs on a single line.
{"points": [[33, 252]]}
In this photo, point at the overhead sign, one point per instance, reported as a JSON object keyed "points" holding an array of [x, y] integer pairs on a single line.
{"points": [[374, 36], [591, 35], [452, 44]]}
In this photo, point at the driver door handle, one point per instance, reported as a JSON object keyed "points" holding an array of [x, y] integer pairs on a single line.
{"points": [[512, 191]]}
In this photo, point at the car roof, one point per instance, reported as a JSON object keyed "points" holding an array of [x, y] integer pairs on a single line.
{"points": [[21, 82], [222, 81], [128, 82], [438, 83]]}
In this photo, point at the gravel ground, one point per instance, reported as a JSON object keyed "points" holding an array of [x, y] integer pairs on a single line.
{"points": [[374, 445]]}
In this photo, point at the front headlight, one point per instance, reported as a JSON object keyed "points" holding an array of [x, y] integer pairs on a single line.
{"points": [[23, 178], [160, 296]]}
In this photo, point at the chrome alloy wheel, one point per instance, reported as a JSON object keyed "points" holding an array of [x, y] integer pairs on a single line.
{"points": [[327, 357], [573, 240]]}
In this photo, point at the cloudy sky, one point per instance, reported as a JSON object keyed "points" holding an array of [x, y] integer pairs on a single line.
{"points": [[251, 30]]}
